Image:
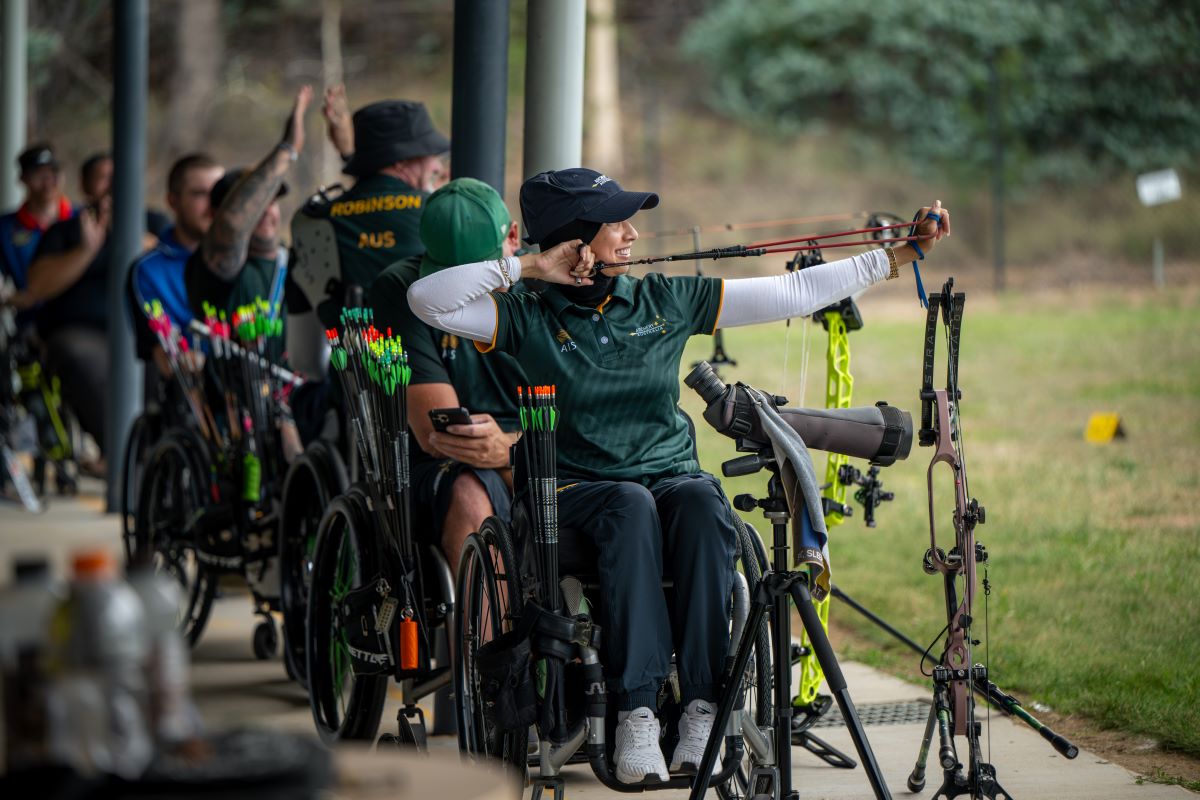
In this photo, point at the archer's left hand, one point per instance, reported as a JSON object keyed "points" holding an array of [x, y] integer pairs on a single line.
{"points": [[933, 222]]}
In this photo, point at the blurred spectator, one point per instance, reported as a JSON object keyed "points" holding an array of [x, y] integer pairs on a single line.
{"points": [[45, 204], [95, 177], [69, 275], [158, 274]]}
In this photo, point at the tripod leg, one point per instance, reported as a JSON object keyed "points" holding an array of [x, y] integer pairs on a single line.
{"points": [[729, 694], [837, 684], [916, 778]]}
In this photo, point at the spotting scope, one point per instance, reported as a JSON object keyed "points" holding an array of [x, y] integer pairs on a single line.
{"points": [[882, 434]]}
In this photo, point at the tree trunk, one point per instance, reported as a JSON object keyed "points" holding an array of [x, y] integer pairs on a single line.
{"points": [[602, 139], [199, 47]]}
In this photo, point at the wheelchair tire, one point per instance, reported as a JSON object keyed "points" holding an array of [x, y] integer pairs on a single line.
{"points": [[487, 564], [345, 706], [760, 682], [170, 499], [312, 482], [138, 448], [760, 697]]}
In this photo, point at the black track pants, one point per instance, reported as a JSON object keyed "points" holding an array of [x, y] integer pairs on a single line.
{"points": [[685, 523]]}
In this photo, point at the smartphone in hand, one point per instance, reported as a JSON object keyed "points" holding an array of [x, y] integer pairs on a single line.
{"points": [[442, 418]]}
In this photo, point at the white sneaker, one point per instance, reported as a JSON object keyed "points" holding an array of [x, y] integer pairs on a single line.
{"points": [[638, 754], [695, 724]]}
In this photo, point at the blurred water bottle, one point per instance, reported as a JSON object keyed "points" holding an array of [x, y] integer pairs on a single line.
{"points": [[97, 704], [173, 718], [25, 609]]}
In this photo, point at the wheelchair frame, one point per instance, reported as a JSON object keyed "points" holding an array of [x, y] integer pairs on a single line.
{"points": [[491, 575], [364, 550]]}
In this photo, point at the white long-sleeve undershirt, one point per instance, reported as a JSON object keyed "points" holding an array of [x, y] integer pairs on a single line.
{"points": [[456, 299]]}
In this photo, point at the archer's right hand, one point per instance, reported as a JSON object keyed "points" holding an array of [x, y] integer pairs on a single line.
{"points": [[568, 263]]}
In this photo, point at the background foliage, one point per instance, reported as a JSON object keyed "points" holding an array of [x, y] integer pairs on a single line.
{"points": [[1082, 89]]}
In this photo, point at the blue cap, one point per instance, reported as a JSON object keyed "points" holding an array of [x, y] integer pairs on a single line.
{"points": [[550, 200]]}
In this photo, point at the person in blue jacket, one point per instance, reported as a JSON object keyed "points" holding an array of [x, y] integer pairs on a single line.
{"points": [[158, 273]]}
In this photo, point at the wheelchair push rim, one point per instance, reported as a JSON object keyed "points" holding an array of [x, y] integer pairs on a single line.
{"points": [[483, 610], [311, 483]]}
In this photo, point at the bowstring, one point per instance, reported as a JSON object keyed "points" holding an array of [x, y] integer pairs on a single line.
{"points": [[787, 340], [805, 351]]}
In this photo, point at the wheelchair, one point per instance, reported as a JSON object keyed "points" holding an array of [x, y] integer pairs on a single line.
{"points": [[379, 601], [503, 633], [355, 646], [208, 496]]}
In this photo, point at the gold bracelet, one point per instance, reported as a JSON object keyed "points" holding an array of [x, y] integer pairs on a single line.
{"points": [[895, 265]]}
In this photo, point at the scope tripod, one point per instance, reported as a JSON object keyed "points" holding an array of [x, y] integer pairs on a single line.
{"points": [[780, 584]]}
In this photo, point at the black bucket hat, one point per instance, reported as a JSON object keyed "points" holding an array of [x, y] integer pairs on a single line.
{"points": [[391, 131], [216, 195], [550, 200]]}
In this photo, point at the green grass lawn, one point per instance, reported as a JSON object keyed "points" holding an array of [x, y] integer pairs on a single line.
{"points": [[1094, 549]]}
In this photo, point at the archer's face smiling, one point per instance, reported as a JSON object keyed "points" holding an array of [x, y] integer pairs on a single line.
{"points": [[613, 244]]}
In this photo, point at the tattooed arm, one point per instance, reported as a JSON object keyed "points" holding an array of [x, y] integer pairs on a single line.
{"points": [[225, 246]]}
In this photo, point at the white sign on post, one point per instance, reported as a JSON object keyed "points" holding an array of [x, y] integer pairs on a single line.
{"points": [[1156, 188]]}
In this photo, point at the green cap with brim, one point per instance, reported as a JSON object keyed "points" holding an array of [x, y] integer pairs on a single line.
{"points": [[463, 222]]}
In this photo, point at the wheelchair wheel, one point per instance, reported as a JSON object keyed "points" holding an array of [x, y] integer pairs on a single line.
{"points": [[138, 448], [171, 498], [344, 705], [759, 680], [760, 684], [312, 482], [489, 594]]}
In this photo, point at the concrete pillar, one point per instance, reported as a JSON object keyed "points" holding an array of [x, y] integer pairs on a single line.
{"points": [[479, 112], [130, 82], [14, 80], [554, 85]]}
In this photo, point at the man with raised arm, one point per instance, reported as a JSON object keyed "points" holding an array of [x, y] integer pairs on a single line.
{"points": [[240, 258]]}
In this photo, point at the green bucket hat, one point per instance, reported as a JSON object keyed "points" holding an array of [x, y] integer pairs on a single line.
{"points": [[463, 222]]}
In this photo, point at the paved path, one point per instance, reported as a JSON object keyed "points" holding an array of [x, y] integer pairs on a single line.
{"points": [[232, 688]]}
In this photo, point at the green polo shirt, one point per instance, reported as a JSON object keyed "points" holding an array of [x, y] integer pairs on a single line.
{"points": [[486, 384], [617, 371], [376, 223], [252, 282]]}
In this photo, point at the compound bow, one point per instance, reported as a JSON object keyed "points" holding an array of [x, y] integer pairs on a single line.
{"points": [[957, 676]]}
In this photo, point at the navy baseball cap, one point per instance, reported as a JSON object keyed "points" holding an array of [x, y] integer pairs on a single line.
{"points": [[550, 200], [39, 155]]}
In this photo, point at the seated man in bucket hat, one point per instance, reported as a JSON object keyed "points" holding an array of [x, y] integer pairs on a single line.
{"points": [[346, 240], [342, 241]]}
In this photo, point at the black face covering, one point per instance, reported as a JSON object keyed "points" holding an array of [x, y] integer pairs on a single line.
{"points": [[601, 284]]}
